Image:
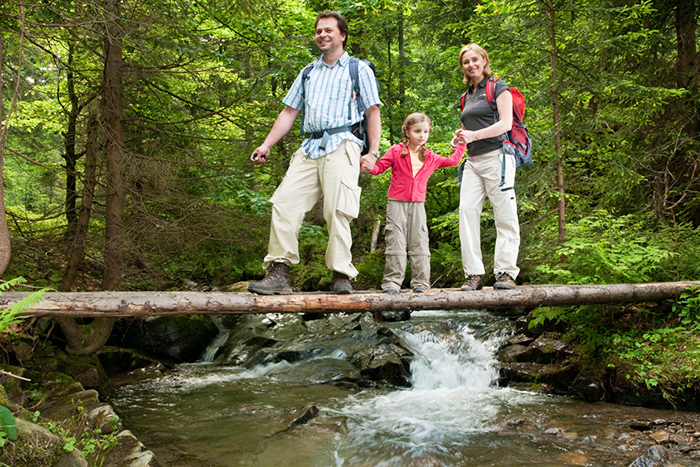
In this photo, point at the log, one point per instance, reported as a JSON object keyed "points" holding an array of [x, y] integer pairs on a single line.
{"points": [[132, 304]]}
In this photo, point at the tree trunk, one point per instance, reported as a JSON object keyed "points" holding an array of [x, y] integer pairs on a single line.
{"points": [[5, 249], [70, 155], [376, 230], [77, 241], [112, 115], [141, 304], [85, 339], [561, 205]]}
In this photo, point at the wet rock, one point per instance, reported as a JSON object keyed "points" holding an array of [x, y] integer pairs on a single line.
{"points": [[516, 353], [519, 339], [656, 456], [553, 431], [105, 419], [661, 437], [321, 370], [640, 425], [546, 350], [591, 392], [574, 458], [526, 423], [339, 349], [72, 459], [87, 375], [129, 452], [297, 417], [115, 360], [172, 338], [266, 355], [396, 316]]}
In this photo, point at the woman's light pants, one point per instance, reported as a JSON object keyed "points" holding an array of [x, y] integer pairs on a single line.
{"points": [[481, 177]]}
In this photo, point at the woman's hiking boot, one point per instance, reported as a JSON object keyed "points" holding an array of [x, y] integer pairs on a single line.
{"points": [[341, 283], [276, 281], [473, 282], [504, 281]]}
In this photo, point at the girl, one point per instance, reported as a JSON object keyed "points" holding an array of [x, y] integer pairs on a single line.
{"points": [[406, 226], [486, 165]]}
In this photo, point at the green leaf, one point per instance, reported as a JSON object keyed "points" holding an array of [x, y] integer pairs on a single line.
{"points": [[7, 423]]}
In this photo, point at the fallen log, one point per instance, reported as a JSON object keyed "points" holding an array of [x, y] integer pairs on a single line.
{"points": [[132, 304]]}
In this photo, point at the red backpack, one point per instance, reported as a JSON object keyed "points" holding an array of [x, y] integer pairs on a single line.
{"points": [[518, 142]]}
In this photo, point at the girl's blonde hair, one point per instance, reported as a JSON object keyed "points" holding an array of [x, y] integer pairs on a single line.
{"points": [[411, 120], [487, 63]]}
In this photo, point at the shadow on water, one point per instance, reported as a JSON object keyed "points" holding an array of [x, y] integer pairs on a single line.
{"points": [[454, 415]]}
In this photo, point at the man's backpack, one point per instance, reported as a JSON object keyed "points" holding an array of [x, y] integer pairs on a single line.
{"points": [[358, 129], [518, 142]]}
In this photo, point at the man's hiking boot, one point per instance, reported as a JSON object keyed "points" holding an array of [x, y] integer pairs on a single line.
{"points": [[341, 284], [504, 281], [473, 282], [276, 281], [419, 289]]}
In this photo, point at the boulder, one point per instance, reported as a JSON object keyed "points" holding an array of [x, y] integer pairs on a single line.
{"points": [[130, 452], [170, 338]]}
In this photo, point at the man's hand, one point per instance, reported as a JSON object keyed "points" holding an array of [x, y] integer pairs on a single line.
{"points": [[259, 156], [367, 163]]}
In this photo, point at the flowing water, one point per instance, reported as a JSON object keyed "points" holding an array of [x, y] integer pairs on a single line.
{"points": [[454, 415]]}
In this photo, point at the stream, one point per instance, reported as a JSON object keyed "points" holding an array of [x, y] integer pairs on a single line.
{"points": [[454, 415]]}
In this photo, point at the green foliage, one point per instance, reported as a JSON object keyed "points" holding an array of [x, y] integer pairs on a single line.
{"points": [[544, 314], [687, 308], [8, 427], [8, 316], [446, 259], [664, 359], [371, 270], [603, 248]]}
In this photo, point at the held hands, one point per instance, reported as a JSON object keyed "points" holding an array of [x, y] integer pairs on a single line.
{"points": [[464, 137], [367, 163]]}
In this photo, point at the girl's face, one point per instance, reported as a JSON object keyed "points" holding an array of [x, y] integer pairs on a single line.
{"points": [[473, 65], [418, 133]]}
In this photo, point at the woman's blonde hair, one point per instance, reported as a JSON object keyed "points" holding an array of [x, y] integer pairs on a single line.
{"points": [[487, 65], [411, 120]]}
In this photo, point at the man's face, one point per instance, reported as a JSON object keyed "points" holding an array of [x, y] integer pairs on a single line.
{"points": [[328, 37]]}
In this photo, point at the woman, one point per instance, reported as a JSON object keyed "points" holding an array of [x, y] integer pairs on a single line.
{"points": [[488, 170]]}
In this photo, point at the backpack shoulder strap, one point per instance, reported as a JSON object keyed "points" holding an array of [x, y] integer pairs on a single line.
{"points": [[305, 72], [354, 65], [461, 101], [491, 91]]}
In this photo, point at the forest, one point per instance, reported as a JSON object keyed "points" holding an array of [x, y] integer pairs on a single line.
{"points": [[127, 128]]}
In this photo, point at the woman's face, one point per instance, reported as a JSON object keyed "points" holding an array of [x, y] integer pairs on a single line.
{"points": [[473, 65]]}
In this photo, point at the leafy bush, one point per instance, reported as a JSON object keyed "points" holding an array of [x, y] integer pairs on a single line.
{"points": [[605, 249]]}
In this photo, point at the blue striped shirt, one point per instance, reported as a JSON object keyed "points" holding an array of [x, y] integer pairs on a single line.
{"points": [[328, 91]]}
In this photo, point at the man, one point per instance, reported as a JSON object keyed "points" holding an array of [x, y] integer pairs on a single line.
{"points": [[327, 164]]}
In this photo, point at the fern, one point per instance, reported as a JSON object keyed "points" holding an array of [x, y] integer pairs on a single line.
{"points": [[9, 316]]}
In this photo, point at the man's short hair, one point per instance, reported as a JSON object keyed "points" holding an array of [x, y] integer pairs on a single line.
{"points": [[342, 22]]}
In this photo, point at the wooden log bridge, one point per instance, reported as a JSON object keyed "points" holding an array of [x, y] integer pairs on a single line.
{"points": [[132, 304]]}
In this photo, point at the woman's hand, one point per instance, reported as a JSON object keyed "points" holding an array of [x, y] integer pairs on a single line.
{"points": [[465, 136]]}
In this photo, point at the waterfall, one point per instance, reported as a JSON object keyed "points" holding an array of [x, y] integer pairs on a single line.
{"points": [[220, 339], [453, 398]]}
